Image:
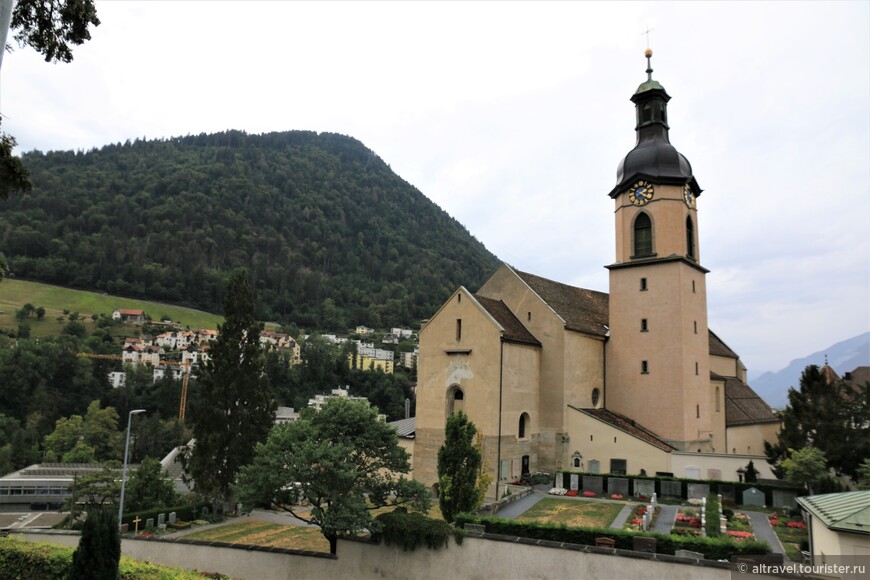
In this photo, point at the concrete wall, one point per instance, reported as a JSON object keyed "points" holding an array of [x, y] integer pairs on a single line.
{"points": [[827, 542], [477, 557], [726, 463]]}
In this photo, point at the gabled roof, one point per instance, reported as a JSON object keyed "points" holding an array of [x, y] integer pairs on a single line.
{"points": [[846, 512], [743, 406], [719, 348], [514, 331], [626, 425], [405, 427], [582, 310], [127, 312]]}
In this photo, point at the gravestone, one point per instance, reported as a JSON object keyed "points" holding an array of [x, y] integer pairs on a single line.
{"points": [[149, 523], [784, 499], [172, 517], [672, 488], [693, 473], [727, 493], [753, 496], [689, 554], [617, 485], [714, 474], [593, 483], [594, 466], [644, 487], [605, 542], [644, 544], [161, 520], [698, 490], [125, 528], [575, 482]]}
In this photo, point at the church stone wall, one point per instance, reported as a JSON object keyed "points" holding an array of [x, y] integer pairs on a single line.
{"points": [[749, 439]]}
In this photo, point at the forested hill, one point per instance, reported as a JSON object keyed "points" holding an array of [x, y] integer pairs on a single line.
{"points": [[331, 236]]}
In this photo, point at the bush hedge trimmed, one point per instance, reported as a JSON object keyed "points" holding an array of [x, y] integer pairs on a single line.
{"points": [[713, 528], [412, 529], [36, 561], [720, 548]]}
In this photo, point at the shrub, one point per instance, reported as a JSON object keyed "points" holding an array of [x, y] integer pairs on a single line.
{"points": [[413, 529], [36, 561], [99, 548], [712, 526], [721, 548]]}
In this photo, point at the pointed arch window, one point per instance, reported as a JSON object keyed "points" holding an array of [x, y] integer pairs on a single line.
{"points": [[690, 238], [643, 241]]}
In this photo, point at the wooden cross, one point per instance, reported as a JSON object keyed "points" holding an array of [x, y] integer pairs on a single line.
{"points": [[136, 523]]}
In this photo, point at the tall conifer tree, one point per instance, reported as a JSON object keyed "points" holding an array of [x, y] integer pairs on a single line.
{"points": [[459, 462], [234, 409]]}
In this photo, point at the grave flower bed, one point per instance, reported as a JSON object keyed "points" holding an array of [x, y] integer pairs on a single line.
{"points": [[636, 521], [740, 536], [571, 493], [615, 496], [589, 493]]}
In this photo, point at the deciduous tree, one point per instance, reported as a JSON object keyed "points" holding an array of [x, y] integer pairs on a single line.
{"points": [[341, 461]]}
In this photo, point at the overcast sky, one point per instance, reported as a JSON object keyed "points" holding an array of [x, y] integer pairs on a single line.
{"points": [[513, 116]]}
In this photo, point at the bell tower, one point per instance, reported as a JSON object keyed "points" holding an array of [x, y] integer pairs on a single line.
{"points": [[657, 356]]}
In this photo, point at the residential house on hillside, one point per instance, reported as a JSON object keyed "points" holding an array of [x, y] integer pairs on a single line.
{"points": [[134, 355], [402, 333], [130, 316], [363, 330], [283, 342]]}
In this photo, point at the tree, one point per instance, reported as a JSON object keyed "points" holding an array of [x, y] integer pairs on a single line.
{"points": [[94, 437], [459, 461], [149, 487], [234, 409], [829, 416], [864, 475], [95, 491], [341, 461], [99, 549], [51, 26], [805, 467]]}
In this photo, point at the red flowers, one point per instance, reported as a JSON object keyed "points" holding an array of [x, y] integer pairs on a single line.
{"points": [[797, 524], [589, 493], [571, 492], [615, 496], [691, 521], [739, 536], [637, 521]]}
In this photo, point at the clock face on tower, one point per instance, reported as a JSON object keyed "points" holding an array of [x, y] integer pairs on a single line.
{"points": [[641, 192], [688, 195]]}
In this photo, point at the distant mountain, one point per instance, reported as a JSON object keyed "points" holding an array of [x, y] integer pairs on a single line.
{"points": [[330, 235], [842, 357]]}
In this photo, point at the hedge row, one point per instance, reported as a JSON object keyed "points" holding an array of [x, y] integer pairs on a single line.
{"points": [[714, 484], [721, 548], [714, 526], [412, 529], [37, 561], [187, 512]]}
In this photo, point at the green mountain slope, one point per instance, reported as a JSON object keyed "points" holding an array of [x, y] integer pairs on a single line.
{"points": [[331, 236]]}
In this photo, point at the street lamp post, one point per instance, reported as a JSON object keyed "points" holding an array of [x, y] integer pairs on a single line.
{"points": [[124, 470]]}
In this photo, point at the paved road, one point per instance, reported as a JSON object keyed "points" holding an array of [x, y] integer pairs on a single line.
{"points": [[519, 507]]}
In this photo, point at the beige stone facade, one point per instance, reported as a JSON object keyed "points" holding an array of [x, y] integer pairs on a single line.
{"points": [[562, 378]]}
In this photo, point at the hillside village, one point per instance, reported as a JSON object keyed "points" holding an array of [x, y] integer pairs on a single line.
{"points": [[172, 353]]}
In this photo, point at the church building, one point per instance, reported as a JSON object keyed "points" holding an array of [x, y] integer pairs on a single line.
{"points": [[560, 378]]}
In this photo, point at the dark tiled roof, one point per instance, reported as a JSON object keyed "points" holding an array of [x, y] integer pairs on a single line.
{"points": [[514, 330], [743, 406], [623, 423], [583, 310], [405, 427], [719, 348]]}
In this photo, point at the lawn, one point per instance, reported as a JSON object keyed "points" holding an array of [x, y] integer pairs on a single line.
{"points": [[259, 533], [589, 514], [55, 299]]}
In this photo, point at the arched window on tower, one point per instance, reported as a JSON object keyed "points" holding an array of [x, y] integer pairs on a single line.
{"points": [[643, 245], [524, 425], [690, 238], [455, 400]]}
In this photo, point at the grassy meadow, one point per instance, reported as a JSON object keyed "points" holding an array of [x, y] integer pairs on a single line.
{"points": [[55, 299], [576, 513]]}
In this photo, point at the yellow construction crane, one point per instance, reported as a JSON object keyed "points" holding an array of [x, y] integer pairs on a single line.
{"points": [[185, 377]]}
